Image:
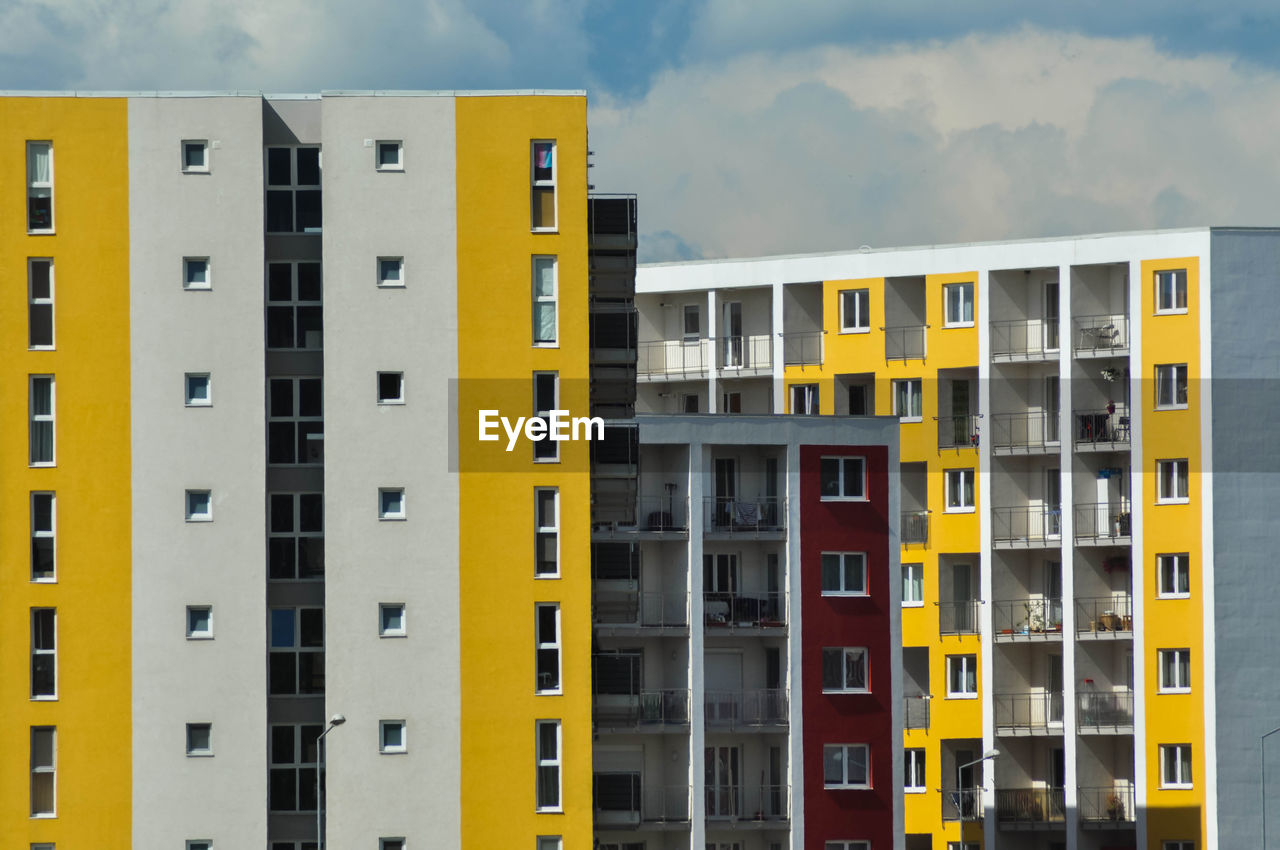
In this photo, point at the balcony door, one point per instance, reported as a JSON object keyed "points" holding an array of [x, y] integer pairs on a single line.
{"points": [[723, 768], [967, 783], [1050, 314], [1052, 407], [1053, 503], [731, 333], [1052, 594], [1053, 684], [719, 587], [962, 596], [961, 400]]}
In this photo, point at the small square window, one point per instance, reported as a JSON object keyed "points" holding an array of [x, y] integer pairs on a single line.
{"points": [[1171, 291], [195, 273], [962, 676], [391, 619], [391, 503], [846, 766], [390, 156], [392, 736], [198, 389], [199, 622], [391, 388], [1174, 575], [855, 311], [844, 670], [390, 844], [195, 156], [199, 506], [199, 844], [1171, 386], [958, 303], [842, 478], [199, 739], [391, 271]]}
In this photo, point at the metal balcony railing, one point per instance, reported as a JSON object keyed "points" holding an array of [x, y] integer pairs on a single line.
{"points": [[1101, 426], [1107, 334], [963, 804], [1096, 614], [663, 514], [667, 804], [958, 618], [646, 709], [1104, 710], [1030, 805], [753, 353], [1028, 525], [958, 432], [642, 609], [915, 527], [748, 803], [737, 709], [905, 342], [1101, 522], [725, 515], [625, 800], [1027, 712], [915, 711], [1024, 432], [674, 358], [802, 348], [758, 609], [1023, 338], [1026, 616], [1107, 805]]}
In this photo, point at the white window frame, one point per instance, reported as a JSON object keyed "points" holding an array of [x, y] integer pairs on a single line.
{"points": [[199, 844], [914, 400], [912, 575], [550, 842], [1169, 284], [845, 762], [548, 762], [191, 503], [43, 652], [190, 265], [385, 726], [546, 450], [385, 513], [1171, 766], [966, 664], [386, 631], [914, 761], [194, 751], [1178, 472], [861, 655], [860, 320], [51, 417], [1181, 669], [194, 633], [187, 167], [399, 397], [964, 291], [391, 843], [552, 645], [395, 144], [956, 490], [844, 560], [50, 533], [1179, 573], [36, 186], [535, 184], [541, 299], [804, 399], [34, 301], [694, 310], [1171, 386], [540, 532], [43, 769], [385, 265], [843, 478], [189, 379]]}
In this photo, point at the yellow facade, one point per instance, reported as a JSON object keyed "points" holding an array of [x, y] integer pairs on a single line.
{"points": [[91, 478], [496, 359]]}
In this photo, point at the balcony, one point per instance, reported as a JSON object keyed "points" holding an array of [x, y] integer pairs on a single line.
{"points": [[963, 804], [1101, 431], [915, 711], [1101, 336], [1026, 527], [803, 348], [914, 528], [751, 807], [958, 618], [1030, 433], [742, 710], [1030, 808], [905, 342], [745, 356], [622, 800], [624, 612], [674, 360], [732, 611], [1107, 808], [1027, 619], [1105, 712], [1104, 617], [1028, 713], [1016, 340], [737, 517], [655, 518], [1102, 524], [646, 711], [958, 432]]}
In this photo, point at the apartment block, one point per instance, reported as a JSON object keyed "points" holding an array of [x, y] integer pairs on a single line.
{"points": [[1085, 480]]}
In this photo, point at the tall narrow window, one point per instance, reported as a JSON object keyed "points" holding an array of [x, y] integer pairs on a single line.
{"points": [[544, 301], [39, 303], [297, 651], [548, 778], [546, 558], [546, 393], [293, 768], [544, 185], [42, 415], [912, 584], [295, 421], [293, 190], [692, 322], [908, 400], [913, 774], [547, 623], [1171, 386], [44, 755], [295, 545], [294, 310], [40, 187], [43, 539], [44, 653], [959, 304]]}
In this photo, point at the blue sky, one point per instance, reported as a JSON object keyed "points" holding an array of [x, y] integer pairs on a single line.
{"points": [[755, 127]]}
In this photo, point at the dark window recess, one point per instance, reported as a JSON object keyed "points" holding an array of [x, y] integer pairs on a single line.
{"points": [[618, 673], [615, 561], [616, 792], [295, 551], [295, 432], [621, 445], [294, 312], [293, 782]]}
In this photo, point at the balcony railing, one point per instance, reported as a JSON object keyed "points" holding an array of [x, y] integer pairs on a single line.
{"points": [[1036, 615], [746, 353], [1101, 335], [1013, 433], [915, 711], [646, 709], [958, 432], [1100, 426], [653, 514], [905, 342], [1107, 806], [1102, 522], [738, 709], [625, 800], [1029, 525], [964, 804], [1101, 711], [1104, 614], [1030, 805], [958, 618], [746, 804], [723, 609], [1023, 338], [802, 348], [1027, 713], [915, 527], [641, 609], [674, 358], [723, 515]]}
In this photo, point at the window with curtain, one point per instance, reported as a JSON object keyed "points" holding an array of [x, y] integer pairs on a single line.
{"points": [[544, 300], [41, 420], [39, 186]]}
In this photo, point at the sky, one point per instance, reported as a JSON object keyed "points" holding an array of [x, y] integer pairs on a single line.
{"points": [[750, 127]]}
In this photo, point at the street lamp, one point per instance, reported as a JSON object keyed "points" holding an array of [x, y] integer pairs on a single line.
{"points": [[989, 754], [334, 722], [1264, 785]]}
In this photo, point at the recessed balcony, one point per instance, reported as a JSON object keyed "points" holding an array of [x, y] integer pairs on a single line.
{"points": [[1025, 620], [625, 801], [958, 618], [1031, 808], [1028, 713], [654, 711], [1022, 340], [733, 612], [962, 804], [1032, 432], [958, 432], [1026, 527], [632, 612], [759, 710], [745, 356], [915, 711], [738, 807], [653, 518], [1107, 808], [906, 342], [733, 517], [1104, 617], [914, 528], [673, 359], [1104, 335], [1103, 524], [1102, 430], [803, 348], [1104, 712]]}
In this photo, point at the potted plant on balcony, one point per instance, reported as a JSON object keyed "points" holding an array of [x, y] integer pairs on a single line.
{"points": [[1035, 616], [1115, 807]]}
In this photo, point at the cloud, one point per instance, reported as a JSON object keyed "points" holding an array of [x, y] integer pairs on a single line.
{"points": [[1029, 134]]}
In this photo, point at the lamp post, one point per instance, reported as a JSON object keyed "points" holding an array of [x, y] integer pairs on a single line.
{"points": [[989, 754], [1264, 784], [334, 722]]}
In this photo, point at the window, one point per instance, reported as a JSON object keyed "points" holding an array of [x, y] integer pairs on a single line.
{"points": [[199, 506], [804, 399], [296, 659], [199, 622], [1175, 670], [392, 737], [390, 156], [293, 768], [550, 842], [912, 585], [689, 402], [844, 669], [913, 774], [547, 624], [199, 739], [843, 478], [545, 327], [39, 187], [195, 273], [958, 298], [391, 388], [546, 395], [391, 271], [1174, 575], [1178, 845], [1171, 291], [295, 422], [43, 537], [391, 503], [962, 676], [39, 303], [1175, 765], [1171, 386], [544, 185], [855, 311], [959, 490], [390, 844], [546, 557], [692, 322], [198, 390], [1171, 481], [293, 190], [844, 574], [908, 400], [295, 315], [42, 416], [847, 845], [44, 653], [730, 402], [548, 777], [391, 619], [846, 766], [44, 755], [195, 156], [295, 541], [199, 844]]}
